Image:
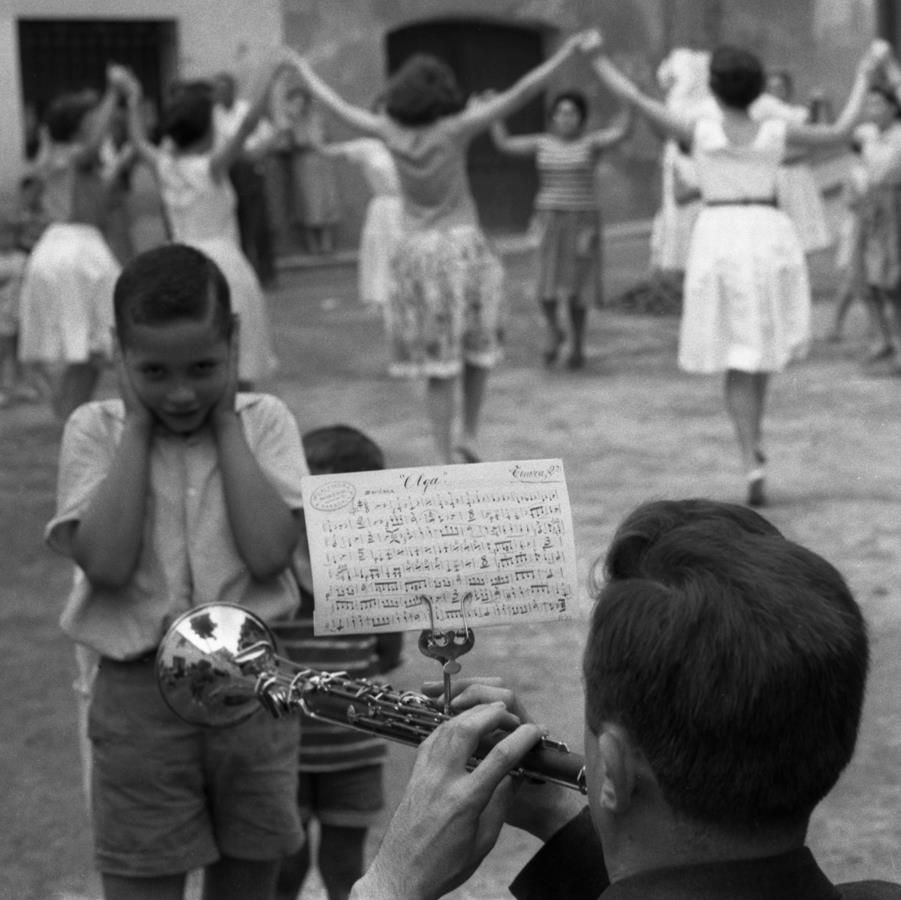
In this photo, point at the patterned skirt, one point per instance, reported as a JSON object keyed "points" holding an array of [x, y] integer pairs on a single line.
{"points": [[446, 303]]}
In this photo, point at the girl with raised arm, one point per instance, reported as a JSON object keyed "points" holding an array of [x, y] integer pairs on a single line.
{"points": [[447, 282], [67, 289], [201, 203], [747, 295], [567, 212]]}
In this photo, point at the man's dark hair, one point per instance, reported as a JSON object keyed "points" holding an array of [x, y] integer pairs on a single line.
{"points": [[171, 283], [735, 658], [188, 116], [577, 98], [341, 448], [737, 77], [423, 90]]}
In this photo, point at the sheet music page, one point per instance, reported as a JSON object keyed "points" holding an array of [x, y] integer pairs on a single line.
{"points": [[497, 537]]}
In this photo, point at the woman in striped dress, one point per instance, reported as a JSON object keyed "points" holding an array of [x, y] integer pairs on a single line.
{"points": [[567, 213]]}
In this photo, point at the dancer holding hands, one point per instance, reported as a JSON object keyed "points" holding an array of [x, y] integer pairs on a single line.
{"points": [[193, 174], [567, 212], [747, 294], [447, 282], [67, 290]]}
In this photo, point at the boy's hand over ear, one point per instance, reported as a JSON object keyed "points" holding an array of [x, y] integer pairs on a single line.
{"points": [[225, 407]]}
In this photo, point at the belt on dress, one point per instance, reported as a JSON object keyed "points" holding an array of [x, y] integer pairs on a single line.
{"points": [[743, 201]]}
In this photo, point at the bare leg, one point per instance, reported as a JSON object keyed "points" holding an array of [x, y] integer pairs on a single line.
{"points": [[475, 379], [745, 401], [578, 315], [876, 301], [555, 335], [847, 292], [895, 303], [341, 859], [7, 361], [240, 879], [761, 382], [170, 887], [440, 410]]}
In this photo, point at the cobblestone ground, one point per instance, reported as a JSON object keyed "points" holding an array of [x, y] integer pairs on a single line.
{"points": [[628, 427]]}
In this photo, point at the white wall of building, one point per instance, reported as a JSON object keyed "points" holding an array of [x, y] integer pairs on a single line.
{"points": [[211, 34]]}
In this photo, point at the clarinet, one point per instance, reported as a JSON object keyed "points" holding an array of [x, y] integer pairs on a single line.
{"points": [[406, 717], [217, 666]]}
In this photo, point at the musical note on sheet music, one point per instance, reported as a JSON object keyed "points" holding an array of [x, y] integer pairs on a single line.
{"points": [[499, 532]]}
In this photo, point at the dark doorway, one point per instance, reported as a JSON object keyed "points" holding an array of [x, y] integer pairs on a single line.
{"points": [[57, 56], [486, 55], [888, 23]]}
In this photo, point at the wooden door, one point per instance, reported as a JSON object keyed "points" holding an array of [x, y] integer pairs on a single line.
{"points": [[486, 55]]}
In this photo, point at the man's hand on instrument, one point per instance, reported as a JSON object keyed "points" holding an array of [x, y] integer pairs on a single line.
{"points": [[449, 818], [540, 808]]}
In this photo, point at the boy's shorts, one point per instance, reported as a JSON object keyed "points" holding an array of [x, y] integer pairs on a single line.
{"points": [[351, 798], [169, 797]]}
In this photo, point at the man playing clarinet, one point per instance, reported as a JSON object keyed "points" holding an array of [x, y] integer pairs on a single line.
{"points": [[724, 676]]}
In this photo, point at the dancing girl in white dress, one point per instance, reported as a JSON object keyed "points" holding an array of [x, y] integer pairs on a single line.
{"points": [[747, 296], [201, 204]]}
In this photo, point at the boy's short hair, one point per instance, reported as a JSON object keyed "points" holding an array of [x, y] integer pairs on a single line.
{"points": [[171, 283], [422, 91], [188, 115], [341, 448], [735, 658], [737, 77]]}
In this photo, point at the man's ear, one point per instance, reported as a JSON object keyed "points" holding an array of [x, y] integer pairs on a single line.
{"points": [[617, 753]]}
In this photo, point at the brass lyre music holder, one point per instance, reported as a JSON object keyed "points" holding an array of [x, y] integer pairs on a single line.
{"points": [[446, 646]]}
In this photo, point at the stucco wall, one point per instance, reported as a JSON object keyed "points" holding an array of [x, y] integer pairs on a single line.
{"points": [[346, 43], [818, 40], [819, 44]]}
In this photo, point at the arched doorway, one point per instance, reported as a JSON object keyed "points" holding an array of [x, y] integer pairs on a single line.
{"points": [[485, 55]]}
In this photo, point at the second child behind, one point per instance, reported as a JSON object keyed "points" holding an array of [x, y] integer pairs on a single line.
{"points": [[341, 770], [181, 492]]}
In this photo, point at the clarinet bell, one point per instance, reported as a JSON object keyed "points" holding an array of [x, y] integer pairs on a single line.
{"points": [[210, 662]]}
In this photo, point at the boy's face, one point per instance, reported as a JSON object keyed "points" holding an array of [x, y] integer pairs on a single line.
{"points": [[179, 371]]}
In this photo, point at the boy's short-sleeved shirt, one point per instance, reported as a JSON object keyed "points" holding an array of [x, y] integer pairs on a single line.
{"points": [[188, 555]]}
